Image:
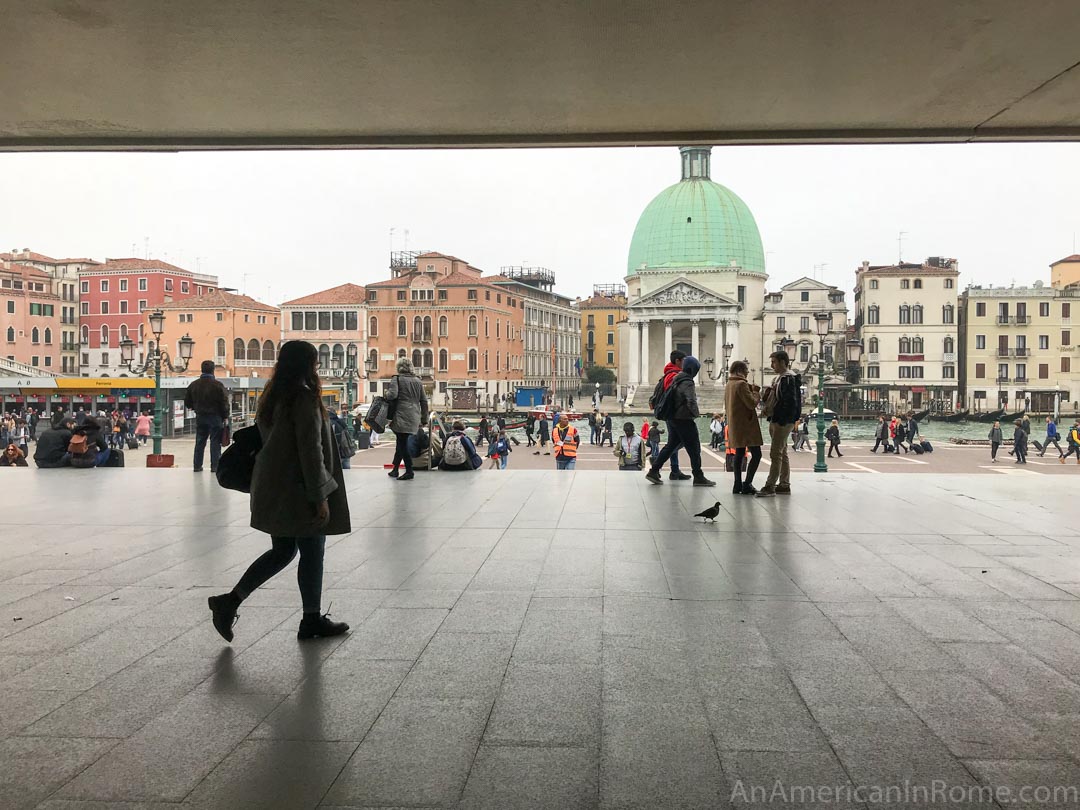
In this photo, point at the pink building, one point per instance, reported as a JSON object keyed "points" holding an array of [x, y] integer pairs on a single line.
{"points": [[113, 300], [65, 280], [30, 327]]}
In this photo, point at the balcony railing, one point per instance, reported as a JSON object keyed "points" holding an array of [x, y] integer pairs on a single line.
{"points": [[425, 371], [240, 361], [1008, 351], [1018, 320], [421, 337], [873, 357], [949, 357], [1023, 379], [1001, 380]]}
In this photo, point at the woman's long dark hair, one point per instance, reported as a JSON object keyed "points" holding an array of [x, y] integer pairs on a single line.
{"points": [[296, 379]]}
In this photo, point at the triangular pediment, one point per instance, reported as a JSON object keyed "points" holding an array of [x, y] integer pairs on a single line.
{"points": [[682, 292], [807, 283]]}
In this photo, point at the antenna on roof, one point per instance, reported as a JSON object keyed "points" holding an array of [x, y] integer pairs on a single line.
{"points": [[900, 247], [146, 242], [406, 239], [391, 240]]}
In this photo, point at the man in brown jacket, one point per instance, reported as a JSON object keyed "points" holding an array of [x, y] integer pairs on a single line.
{"points": [[206, 396]]}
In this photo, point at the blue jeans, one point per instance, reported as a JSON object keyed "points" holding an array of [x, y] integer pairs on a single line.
{"points": [[565, 463], [208, 427], [502, 462], [309, 573], [346, 463]]}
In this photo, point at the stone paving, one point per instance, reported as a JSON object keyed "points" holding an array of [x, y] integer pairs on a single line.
{"points": [[544, 639]]}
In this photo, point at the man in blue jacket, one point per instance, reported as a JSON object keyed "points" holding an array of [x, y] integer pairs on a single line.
{"points": [[1052, 438], [784, 400]]}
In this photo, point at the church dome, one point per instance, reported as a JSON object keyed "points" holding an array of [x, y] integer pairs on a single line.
{"points": [[696, 223]]}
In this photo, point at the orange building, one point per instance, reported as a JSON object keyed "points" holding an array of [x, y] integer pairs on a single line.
{"points": [[459, 329], [237, 332], [30, 317]]}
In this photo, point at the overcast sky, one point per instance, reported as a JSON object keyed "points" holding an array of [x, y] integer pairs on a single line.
{"points": [[297, 222]]}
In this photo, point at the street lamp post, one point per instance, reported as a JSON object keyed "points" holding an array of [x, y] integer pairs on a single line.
{"points": [[821, 321], [725, 364], [155, 360]]}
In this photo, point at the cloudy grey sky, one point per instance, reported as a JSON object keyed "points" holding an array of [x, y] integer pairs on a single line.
{"points": [[297, 222]]}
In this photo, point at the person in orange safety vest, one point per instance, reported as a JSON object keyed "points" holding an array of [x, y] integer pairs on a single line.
{"points": [[565, 438]]}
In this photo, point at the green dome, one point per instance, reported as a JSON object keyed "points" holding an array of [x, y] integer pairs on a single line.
{"points": [[696, 223]]}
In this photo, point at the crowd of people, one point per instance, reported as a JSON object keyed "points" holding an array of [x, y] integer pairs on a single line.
{"points": [[1022, 435]]}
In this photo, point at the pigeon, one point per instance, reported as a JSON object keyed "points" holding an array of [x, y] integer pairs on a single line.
{"points": [[710, 513]]}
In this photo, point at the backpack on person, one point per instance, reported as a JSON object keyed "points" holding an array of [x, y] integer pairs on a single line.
{"points": [[454, 453], [346, 446], [663, 400], [78, 444]]}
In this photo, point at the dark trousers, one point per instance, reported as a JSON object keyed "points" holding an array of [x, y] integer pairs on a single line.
{"points": [[208, 428], [1020, 451], [1074, 449], [681, 433], [833, 445], [877, 444], [751, 468], [993, 450], [401, 452], [674, 442], [1049, 442], [309, 573]]}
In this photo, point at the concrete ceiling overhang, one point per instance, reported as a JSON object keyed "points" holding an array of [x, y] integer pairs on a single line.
{"points": [[132, 74]]}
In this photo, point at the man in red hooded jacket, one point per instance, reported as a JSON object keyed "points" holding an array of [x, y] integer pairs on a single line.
{"points": [[670, 370]]}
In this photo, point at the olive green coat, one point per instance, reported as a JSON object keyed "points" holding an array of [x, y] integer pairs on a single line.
{"points": [[298, 467]]}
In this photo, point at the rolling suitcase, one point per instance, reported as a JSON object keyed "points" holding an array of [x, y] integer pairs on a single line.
{"points": [[132, 443], [1038, 446], [917, 448], [929, 448]]}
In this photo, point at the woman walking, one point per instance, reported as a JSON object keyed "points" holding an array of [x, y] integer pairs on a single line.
{"points": [[407, 392], [995, 441], [743, 427], [833, 435], [142, 428], [297, 491]]}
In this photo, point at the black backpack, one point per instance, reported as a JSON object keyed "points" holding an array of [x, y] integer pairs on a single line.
{"points": [[237, 464], [663, 401]]}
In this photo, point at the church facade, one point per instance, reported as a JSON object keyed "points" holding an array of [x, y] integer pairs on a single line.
{"points": [[695, 281]]}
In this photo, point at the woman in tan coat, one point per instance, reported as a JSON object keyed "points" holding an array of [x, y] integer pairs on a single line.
{"points": [[297, 491], [744, 429]]}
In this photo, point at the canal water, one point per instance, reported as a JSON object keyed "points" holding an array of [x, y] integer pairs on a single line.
{"points": [[854, 429]]}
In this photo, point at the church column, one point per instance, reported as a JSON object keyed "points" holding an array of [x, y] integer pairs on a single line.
{"points": [[694, 336], [645, 352], [721, 338], [667, 340], [634, 375], [733, 339]]}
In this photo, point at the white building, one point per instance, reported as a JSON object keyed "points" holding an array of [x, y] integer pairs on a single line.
{"points": [[906, 317], [695, 280], [789, 315], [552, 330]]}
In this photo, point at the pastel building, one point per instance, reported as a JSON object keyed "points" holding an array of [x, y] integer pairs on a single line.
{"points": [[335, 321], [65, 277], [114, 298], [460, 329], [237, 332], [30, 320]]}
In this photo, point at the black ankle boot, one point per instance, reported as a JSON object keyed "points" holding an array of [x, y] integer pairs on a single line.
{"points": [[224, 609], [315, 626]]}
